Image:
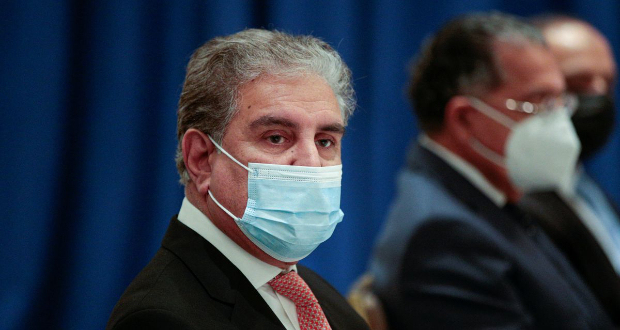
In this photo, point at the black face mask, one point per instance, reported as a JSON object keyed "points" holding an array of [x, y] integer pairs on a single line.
{"points": [[594, 122]]}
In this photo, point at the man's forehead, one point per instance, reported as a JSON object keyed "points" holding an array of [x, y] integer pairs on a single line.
{"points": [[291, 101], [569, 35], [529, 68], [581, 50], [575, 37], [516, 60]]}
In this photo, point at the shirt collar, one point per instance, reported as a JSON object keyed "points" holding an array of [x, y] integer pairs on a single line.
{"points": [[255, 270], [577, 180], [467, 170]]}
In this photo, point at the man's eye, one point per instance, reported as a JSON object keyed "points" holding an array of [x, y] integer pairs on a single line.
{"points": [[325, 143], [276, 139]]}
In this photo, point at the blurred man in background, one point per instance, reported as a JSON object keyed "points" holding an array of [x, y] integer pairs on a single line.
{"points": [[456, 251], [582, 221], [260, 125]]}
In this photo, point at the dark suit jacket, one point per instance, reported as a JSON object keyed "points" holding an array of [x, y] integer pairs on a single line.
{"points": [[570, 235], [189, 284], [449, 258]]}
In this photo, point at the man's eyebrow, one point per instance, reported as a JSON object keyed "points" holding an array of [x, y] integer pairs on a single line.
{"points": [[334, 128], [272, 121], [539, 95], [269, 120]]}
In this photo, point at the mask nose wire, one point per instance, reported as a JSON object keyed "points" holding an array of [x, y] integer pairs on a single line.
{"points": [[229, 155]]}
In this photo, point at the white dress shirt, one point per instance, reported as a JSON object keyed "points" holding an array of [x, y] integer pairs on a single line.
{"points": [[467, 170], [256, 271]]}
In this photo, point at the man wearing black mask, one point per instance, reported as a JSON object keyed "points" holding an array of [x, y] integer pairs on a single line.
{"points": [[587, 62], [583, 221]]}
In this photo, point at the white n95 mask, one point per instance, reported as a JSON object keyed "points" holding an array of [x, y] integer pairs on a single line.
{"points": [[541, 151], [290, 209]]}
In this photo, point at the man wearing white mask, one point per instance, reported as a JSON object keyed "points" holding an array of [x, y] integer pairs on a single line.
{"points": [[582, 220], [456, 252], [260, 125]]}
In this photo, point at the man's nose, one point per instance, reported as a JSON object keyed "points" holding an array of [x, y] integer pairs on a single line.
{"points": [[306, 153], [598, 85]]}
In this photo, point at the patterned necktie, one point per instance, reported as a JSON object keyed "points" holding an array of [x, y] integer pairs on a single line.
{"points": [[309, 313]]}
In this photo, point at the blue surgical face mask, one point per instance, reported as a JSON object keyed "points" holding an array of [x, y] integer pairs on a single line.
{"points": [[290, 209]]}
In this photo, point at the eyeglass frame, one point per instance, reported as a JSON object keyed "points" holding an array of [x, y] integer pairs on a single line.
{"points": [[569, 100]]}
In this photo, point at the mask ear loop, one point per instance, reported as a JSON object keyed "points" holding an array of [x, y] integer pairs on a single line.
{"points": [[487, 153], [229, 155], [222, 207], [238, 163], [499, 117], [490, 112]]}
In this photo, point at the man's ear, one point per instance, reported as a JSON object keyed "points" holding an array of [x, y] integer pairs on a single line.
{"points": [[457, 119], [196, 150]]}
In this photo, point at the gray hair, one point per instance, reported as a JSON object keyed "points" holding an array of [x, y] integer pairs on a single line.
{"points": [[222, 66]]}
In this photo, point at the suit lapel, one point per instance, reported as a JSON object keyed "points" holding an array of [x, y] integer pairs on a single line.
{"points": [[540, 203], [579, 246], [518, 227], [220, 278], [421, 160]]}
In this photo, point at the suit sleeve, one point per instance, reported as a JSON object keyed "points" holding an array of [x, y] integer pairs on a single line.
{"points": [[455, 276]]}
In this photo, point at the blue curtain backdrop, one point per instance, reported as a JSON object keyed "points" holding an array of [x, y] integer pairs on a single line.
{"points": [[88, 93]]}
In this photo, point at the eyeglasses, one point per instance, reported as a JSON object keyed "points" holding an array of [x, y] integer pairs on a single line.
{"points": [[566, 100]]}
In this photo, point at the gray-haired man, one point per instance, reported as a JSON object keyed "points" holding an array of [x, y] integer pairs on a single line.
{"points": [[260, 125]]}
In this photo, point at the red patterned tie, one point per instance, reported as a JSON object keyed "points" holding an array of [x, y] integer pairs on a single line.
{"points": [[309, 313]]}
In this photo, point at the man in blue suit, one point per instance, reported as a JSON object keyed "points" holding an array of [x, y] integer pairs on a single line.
{"points": [[456, 252]]}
